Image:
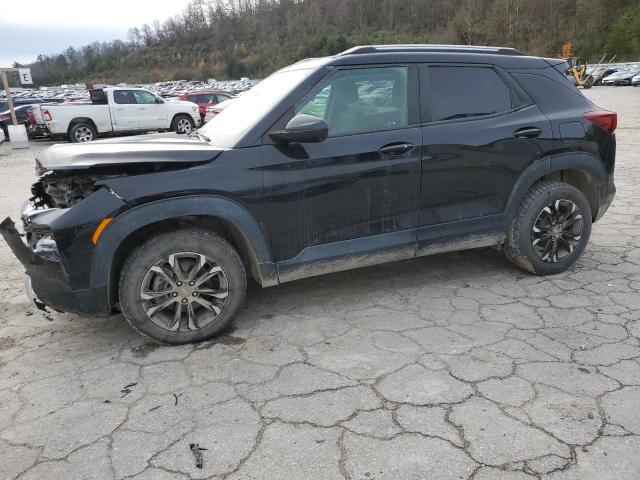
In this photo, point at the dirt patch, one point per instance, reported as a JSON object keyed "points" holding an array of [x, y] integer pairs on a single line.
{"points": [[7, 343]]}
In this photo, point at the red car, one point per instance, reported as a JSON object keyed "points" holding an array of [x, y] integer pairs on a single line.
{"points": [[205, 99]]}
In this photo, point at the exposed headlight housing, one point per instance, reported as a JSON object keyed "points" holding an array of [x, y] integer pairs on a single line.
{"points": [[45, 246]]}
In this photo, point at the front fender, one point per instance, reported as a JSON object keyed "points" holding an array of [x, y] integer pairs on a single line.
{"points": [[172, 208]]}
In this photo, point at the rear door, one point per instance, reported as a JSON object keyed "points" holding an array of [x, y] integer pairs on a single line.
{"points": [[361, 183], [124, 111], [480, 132], [152, 111]]}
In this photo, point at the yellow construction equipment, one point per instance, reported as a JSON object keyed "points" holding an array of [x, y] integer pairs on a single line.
{"points": [[577, 73]]}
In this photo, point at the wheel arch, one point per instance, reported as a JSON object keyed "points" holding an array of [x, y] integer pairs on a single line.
{"points": [[181, 114], [219, 214], [582, 170], [77, 120]]}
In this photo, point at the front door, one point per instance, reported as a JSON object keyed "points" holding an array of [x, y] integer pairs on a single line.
{"points": [[152, 112], [359, 185], [124, 110], [480, 133]]}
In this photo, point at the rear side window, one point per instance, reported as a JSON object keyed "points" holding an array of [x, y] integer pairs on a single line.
{"points": [[551, 96], [465, 92], [123, 97]]}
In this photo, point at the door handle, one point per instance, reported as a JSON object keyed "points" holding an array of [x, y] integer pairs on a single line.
{"points": [[396, 149], [527, 132], [141, 108]]}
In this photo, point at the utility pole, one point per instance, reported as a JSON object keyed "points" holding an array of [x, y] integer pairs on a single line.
{"points": [[17, 133], [7, 91]]}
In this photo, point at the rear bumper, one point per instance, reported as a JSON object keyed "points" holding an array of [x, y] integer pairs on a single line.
{"points": [[48, 279], [607, 193], [38, 130]]}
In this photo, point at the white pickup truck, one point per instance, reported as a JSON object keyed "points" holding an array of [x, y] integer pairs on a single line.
{"points": [[117, 110]]}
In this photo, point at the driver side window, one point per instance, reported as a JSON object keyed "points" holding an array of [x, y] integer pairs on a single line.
{"points": [[360, 100], [143, 97]]}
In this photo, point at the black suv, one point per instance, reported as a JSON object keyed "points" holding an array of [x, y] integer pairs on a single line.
{"points": [[378, 154]]}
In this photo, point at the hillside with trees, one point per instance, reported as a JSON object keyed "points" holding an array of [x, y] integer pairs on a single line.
{"points": [[234, 38]]}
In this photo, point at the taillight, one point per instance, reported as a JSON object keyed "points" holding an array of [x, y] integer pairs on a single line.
{"points": [[46, 115], [604, 119]]}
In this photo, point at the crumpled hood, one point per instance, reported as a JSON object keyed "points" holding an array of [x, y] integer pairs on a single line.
{"points": [[162, 147]]}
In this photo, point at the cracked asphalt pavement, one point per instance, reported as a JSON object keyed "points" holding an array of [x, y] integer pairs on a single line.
{"points": [[456, 366]]}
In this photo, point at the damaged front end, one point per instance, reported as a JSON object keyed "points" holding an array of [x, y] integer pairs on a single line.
{"points": [[54, 244], [70, 203], [63, 190]]}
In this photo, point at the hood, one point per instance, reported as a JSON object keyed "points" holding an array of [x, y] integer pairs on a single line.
{"points": [[628, 74], [181, 102], [157, 148]]}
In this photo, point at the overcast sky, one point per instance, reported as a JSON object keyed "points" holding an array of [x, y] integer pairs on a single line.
{"points": [[31, 27]]}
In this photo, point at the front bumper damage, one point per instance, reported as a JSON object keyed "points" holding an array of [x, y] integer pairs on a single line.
{"points": [[47, 284], [57, 253], [38, 304]]}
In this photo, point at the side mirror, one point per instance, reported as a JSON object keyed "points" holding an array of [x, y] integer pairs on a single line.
{"points": [[159, 101], [302, 129]]}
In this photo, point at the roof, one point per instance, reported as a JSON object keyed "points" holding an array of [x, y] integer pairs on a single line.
{"points": [[508, 58]]}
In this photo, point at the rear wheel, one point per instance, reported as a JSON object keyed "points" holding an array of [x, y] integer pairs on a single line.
{"points": [[182, 287], [551, 229], [182, 124], [82, 132]]}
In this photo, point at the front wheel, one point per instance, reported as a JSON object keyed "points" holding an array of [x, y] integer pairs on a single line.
{"points": [[550, 230], [182, 287], [182, 124]]}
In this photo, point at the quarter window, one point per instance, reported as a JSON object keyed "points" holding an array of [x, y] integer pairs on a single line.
{"points": [[465, 92], [360, 100]]}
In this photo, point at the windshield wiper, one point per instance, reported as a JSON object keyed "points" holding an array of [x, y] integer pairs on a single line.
{"points": [[200, 135]]}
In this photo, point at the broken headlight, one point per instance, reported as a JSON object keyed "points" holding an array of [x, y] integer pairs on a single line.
{"points": [[45, 246]]}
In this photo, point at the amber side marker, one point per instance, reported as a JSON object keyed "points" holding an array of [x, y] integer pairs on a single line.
{"points": [[103, 224]]}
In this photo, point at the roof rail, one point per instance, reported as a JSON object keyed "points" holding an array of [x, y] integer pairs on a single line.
{"points": [[364, 49]]}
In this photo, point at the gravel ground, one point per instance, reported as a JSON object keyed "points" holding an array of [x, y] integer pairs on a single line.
{"points": [[454, 366]]}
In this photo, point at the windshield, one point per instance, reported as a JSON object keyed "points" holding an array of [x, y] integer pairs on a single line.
{"points": [[244, 112]]}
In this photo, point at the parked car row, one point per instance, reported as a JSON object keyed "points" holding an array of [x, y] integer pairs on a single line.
{"points": [[82, 115], [181, 87], [625, 77]]}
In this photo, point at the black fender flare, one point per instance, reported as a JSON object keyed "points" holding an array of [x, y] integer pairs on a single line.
{"points": [[221, 207], [583, 161]]}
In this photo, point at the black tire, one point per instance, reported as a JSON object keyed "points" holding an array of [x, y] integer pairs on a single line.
{"points": [[137, 266], [178, 122], [82, 132], [519, 246]]}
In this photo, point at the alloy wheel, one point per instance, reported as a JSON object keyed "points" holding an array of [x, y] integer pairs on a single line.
{"points": [[557, 231], [183, 126], [83, 134], [185, 291]]}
